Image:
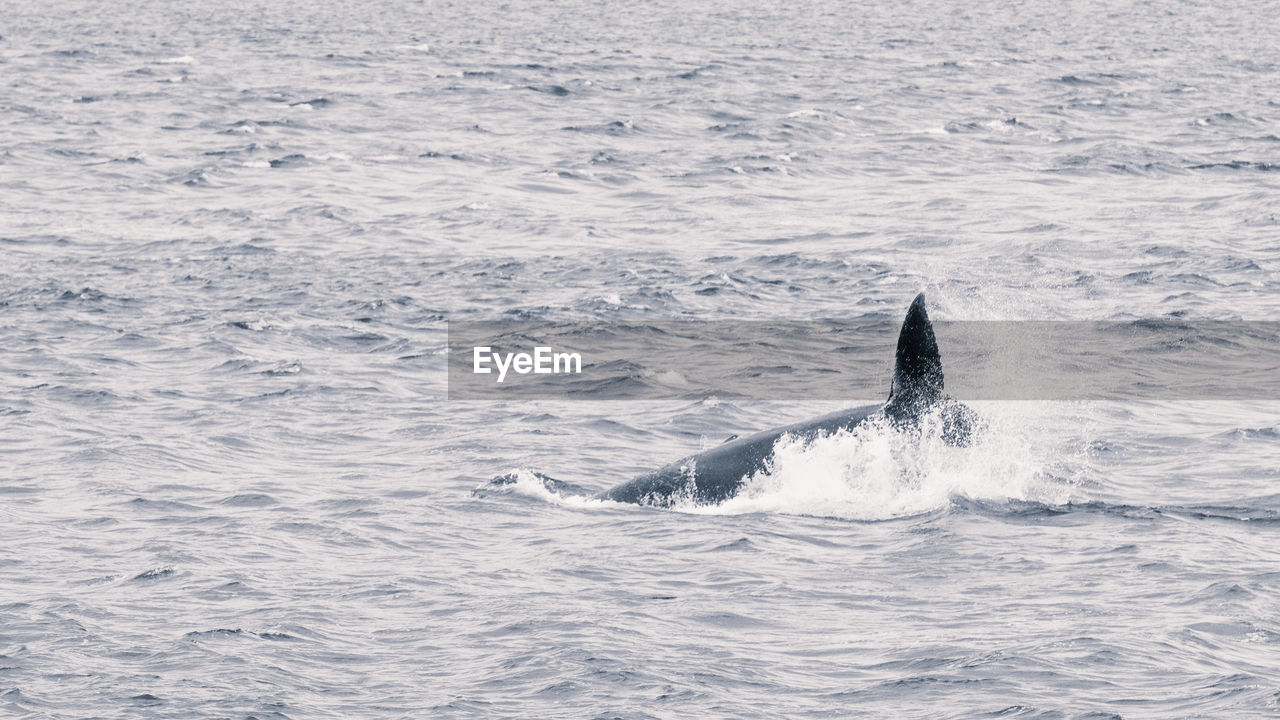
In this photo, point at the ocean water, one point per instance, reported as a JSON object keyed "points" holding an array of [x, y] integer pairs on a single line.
{"points": [[232, 236]]}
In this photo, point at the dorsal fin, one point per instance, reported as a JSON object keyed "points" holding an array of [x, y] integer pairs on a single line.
{"points": [[917, 371]]}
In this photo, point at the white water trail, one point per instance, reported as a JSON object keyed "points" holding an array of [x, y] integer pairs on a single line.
{"points": [[877, 471]]}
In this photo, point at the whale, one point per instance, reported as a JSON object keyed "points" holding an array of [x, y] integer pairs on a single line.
{"points": [[916, 391]]}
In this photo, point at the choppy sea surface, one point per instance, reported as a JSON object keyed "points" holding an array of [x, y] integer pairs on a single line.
{"points": [[231, 237]]}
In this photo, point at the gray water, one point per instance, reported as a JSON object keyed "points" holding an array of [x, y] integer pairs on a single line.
{"points": [[231, 236]]}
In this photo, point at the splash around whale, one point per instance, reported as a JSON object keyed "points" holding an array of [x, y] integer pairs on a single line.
{"points": [[716, 475]]}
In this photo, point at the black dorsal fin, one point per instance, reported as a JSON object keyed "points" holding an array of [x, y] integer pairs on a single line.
{"points": [[917, 371]]}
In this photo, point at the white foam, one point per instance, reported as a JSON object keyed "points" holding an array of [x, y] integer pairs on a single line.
{"points": [[878, 472], [671, 378], [529, 484]]}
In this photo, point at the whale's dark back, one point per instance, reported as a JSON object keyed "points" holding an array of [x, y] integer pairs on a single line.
{"points": [[715, 475]]}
